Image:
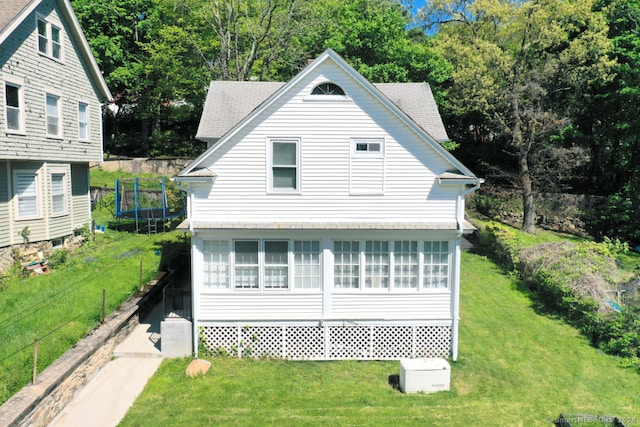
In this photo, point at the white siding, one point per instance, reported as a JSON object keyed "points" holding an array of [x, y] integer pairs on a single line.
{"points": [[256, 307], [410, 306], [325, 129]]}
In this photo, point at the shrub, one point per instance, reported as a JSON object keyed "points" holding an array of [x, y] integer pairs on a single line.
{"points": [[502, 244]]}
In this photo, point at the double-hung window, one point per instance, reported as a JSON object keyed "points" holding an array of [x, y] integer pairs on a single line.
{"points": [[26, 188], [376, 265], [216, 264], [306, 262], [58, 194], [14, 107], [346, 265], [83, 121], [405, 264], [49, 39], [436, 265], [276, 264], [246, 265], [54, 122], [284, 174]]}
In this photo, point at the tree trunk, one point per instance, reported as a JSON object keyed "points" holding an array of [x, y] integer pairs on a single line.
{"points": [[522, 147], [528, 206]]}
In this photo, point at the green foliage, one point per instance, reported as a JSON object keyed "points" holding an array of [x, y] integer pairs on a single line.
{"points": [[501, 242], [618, 217], [59, 257]]}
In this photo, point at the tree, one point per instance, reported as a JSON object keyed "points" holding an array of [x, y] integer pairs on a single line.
{"points": [[612, 126], [517, 65], [373, 36]]}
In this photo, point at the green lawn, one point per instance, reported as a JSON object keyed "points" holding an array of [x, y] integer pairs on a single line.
{"points": [[515, 367]]}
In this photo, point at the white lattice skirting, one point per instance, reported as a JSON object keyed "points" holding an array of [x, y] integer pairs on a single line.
{"points": [[328, 342]]}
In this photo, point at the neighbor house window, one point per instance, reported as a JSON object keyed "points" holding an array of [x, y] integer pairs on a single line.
{"points": [[26, 187], [58, 194], [216, 264], [13, 105], [54, 127], [83, 121], [49, 39], [285, 173]]}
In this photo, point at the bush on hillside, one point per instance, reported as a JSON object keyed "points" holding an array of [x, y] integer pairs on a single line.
{"points": [[575, 281], [502, 243]]}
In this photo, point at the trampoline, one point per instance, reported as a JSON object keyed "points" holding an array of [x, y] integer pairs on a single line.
{"points": [[148, 201]]}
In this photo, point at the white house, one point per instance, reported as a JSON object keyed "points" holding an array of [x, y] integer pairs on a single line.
{"points": [[326, 219]]}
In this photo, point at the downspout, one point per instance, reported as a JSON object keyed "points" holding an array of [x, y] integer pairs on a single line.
{"points": [[456, 285]]}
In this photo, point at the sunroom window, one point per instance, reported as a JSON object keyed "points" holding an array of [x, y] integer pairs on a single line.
{"points": [[246, 266], [276, 264], [436, 265], [390, 265]]}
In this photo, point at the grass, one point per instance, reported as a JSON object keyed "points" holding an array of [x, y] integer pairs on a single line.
{"points": [[516, 367], [60, 308], [102, 178]]}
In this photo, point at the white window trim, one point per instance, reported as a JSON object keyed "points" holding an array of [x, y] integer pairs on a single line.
{"points": [[88, 121], [270, 166], [367, 154], [60, 134], [361, 289], [65, 194], [30, 172], [22, 111], [231, 260], [49, 25]]}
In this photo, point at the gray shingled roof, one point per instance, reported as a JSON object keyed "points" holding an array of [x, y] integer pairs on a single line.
{"points": [[228, 102], [9, 10]]}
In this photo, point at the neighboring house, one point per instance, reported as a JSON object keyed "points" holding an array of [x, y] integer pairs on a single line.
{"points": [[326, 219], [51, 92]]}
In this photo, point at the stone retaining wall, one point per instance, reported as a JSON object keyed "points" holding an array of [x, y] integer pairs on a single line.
{"points": [[166, 167], [38, 404]]}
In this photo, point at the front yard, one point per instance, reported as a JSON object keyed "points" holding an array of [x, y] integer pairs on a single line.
{"points": [[516, 368]]}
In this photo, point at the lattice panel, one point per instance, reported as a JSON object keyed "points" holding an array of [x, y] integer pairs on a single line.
{"points": [[343, 342], [349, 342], [221, 337], [304, 342], [392, 342], [433, 341], [261, 341]]}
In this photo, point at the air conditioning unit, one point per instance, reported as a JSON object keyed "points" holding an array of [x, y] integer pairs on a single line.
{"points": [[424, 375]]}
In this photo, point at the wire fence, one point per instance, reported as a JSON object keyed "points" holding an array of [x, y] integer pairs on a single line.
{"points": [[34, 336]]}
